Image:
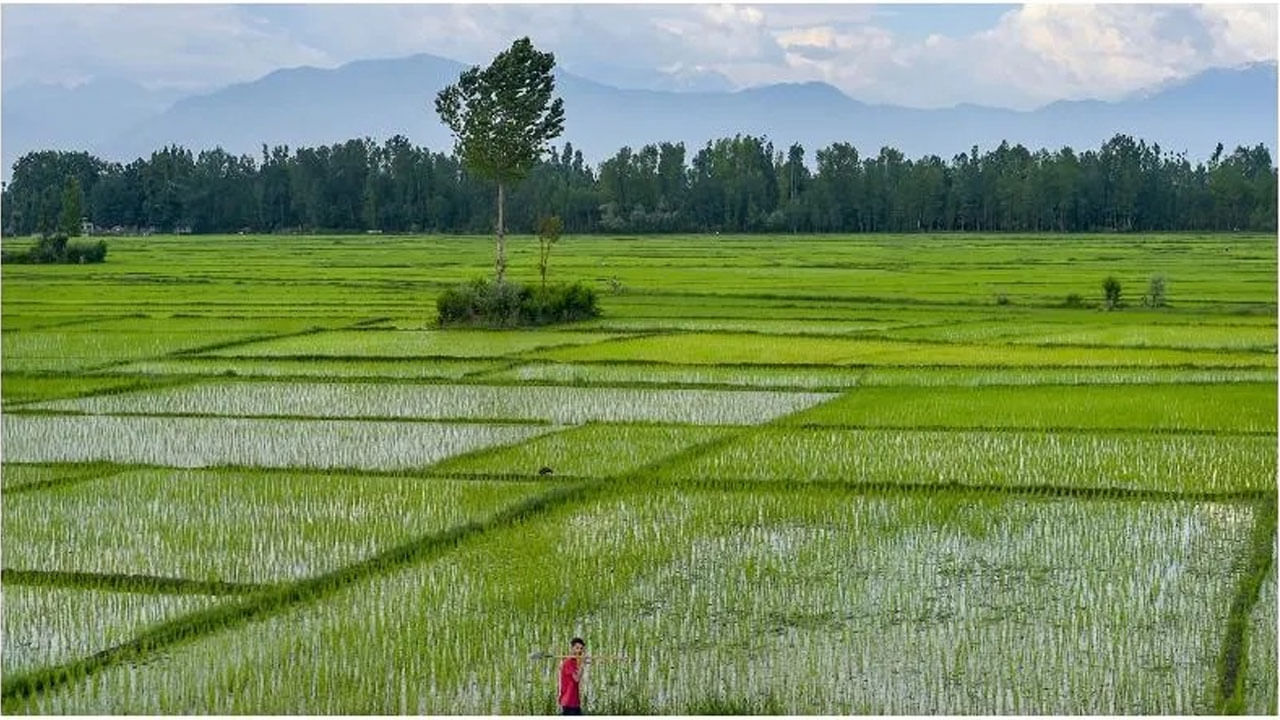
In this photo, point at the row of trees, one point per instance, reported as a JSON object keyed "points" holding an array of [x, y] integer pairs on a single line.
{"points": [[738, 184]]}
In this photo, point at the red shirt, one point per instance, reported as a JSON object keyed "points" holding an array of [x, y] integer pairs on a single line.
{"points": [[568, 685]]}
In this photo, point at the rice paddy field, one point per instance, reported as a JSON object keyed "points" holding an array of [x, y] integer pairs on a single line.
{"points": [[777, 475]]}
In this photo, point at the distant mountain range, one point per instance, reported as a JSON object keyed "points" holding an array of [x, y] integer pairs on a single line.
{"points": [[379, 98]]}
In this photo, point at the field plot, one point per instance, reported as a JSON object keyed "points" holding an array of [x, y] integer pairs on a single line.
{"points": [[776, 600], [1091, 332], [562, 405], [206, 442], [393, 369], [411, 344], [838, 378], [778, 327], [1047, 460], [1257, 339], [728, 349], [589, 451], [1226, 408], [23, 388], [47, 625], [240, 527], [873, 474], [111, 340], [52, 350]]}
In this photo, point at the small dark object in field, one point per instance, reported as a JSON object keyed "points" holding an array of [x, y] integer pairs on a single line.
{"points": [[545, 470]]}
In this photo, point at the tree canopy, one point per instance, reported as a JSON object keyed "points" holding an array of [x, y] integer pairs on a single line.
{"points": [[503, 118], [740, 184]]}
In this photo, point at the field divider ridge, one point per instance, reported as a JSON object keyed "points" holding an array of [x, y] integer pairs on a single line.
{"points": [[1230, 691], [301, 418], [1063, 430], [142, 384], [934, 488], [127, 582], [95, 471]]}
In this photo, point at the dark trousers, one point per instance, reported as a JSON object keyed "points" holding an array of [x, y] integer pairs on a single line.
{"points": [[570, 711]]}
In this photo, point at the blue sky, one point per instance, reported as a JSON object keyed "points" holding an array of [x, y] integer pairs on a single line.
{"points": [[919, 21], [1018, 56]]}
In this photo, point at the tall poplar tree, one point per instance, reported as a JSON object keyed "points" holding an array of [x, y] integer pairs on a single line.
{"points": [[503, 118]]}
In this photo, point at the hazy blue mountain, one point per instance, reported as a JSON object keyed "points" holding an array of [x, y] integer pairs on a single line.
{"points": [[304, 107], [40, 116], [379, 98], [676, 80]]}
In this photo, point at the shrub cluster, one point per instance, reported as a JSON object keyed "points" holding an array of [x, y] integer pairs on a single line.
{"points": [[55, 249], [489, 304]]}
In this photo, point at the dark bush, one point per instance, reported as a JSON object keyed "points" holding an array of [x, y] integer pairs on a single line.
{"points": [[1073, 301], [55, 249], [1111, 293], [88, 252], [487, 304]]}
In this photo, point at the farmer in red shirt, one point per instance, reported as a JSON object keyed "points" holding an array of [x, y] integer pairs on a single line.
{"points": [[571, 679]]}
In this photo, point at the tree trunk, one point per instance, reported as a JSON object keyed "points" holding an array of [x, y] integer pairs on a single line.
{"points": [[500, 264]]}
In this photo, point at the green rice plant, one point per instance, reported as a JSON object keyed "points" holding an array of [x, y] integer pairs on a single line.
{"points": [[63, 351], [205, 442], [562, 405], [760, 324], [1237, 407], [974, 377], [170, 324], [407, 369], [13, 476], [18, 388], [1260, 670], [409, 343], [836, 378], [1254, 339], [48, 625], [240, 527], [1005, 459], [815, 601], [598, 451], [1098, 332], [721, 349]]}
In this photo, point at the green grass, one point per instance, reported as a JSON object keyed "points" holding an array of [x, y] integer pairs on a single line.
{"points": [[1241, 407]]}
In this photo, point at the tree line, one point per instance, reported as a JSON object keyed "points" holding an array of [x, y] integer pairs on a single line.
{"points": [[738, 184]]}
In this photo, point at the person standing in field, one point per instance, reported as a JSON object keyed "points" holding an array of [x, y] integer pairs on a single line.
{"points": [[571, 678]]}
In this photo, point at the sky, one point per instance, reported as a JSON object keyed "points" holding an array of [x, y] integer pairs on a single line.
{"points": [[1015, 56]]}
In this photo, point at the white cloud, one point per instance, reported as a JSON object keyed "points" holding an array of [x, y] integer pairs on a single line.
{"points": [[1031, 55], [180, 46], [1241, 33]]}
